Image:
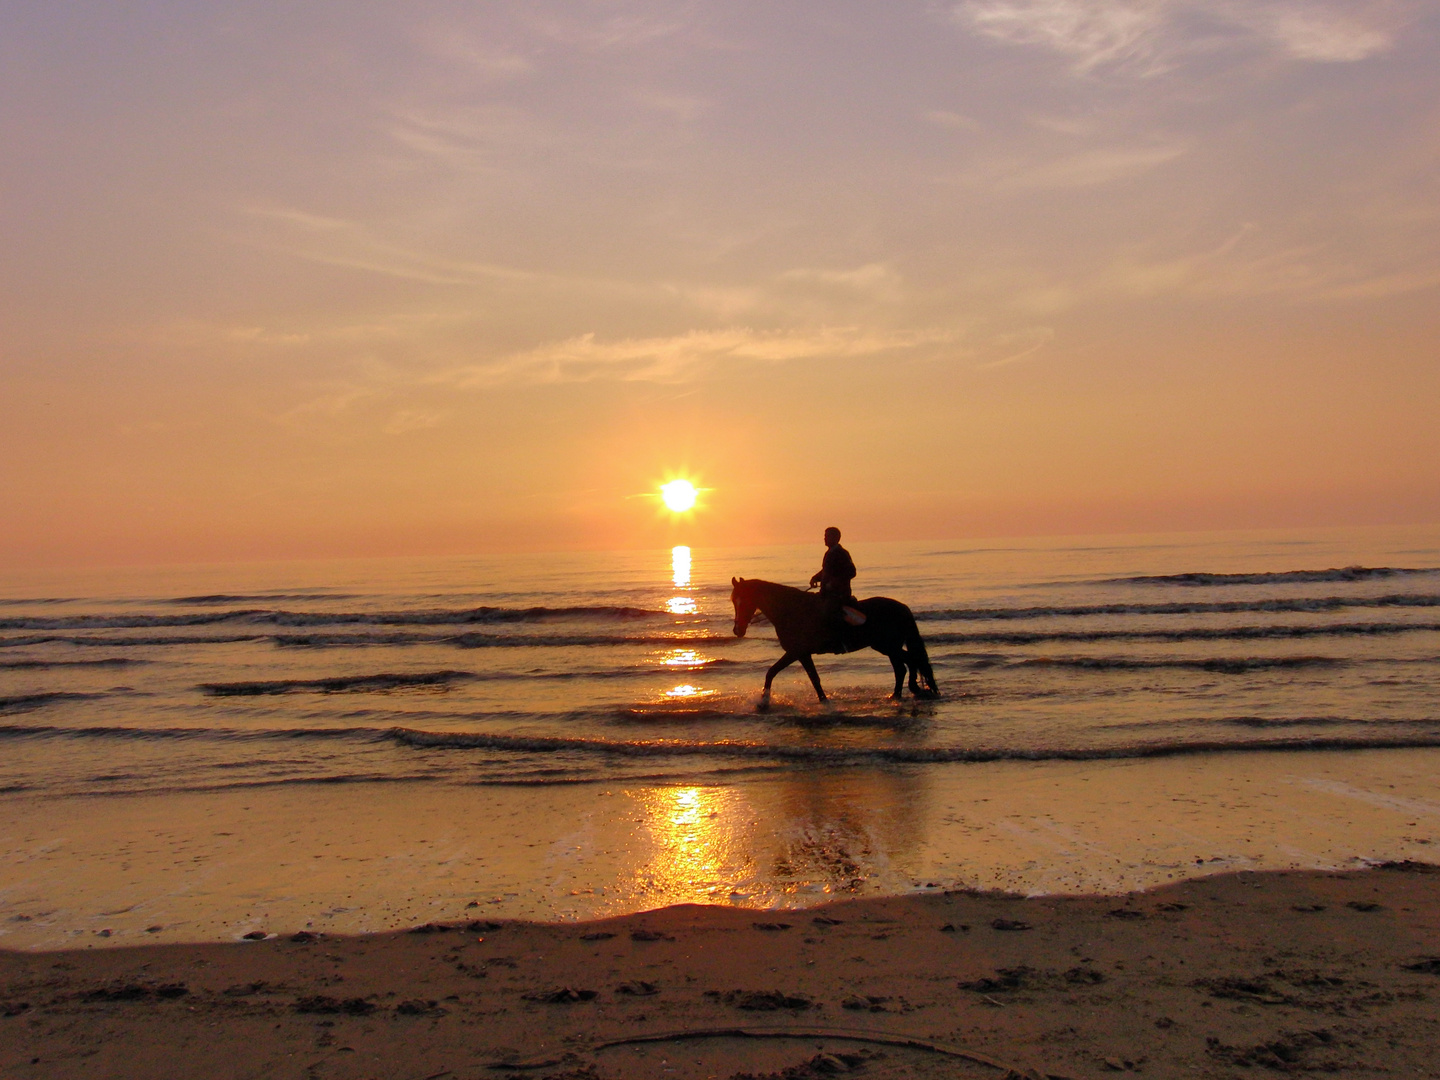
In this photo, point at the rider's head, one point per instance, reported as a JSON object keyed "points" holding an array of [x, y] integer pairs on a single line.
{"points": [[832, 536]]}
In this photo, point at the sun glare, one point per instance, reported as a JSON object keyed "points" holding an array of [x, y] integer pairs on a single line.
{"points": [[679, 495]]}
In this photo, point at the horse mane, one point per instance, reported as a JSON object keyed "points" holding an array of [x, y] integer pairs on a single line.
{"points": [[769, 586]]}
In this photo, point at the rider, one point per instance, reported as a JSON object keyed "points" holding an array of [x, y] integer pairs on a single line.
{"points": [[836, 572]]}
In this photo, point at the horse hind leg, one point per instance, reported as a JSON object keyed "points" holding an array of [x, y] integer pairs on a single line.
{"points": [[897, 662]]}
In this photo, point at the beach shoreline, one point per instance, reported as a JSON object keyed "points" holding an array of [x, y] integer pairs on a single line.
{"points": [[1286, 970], [364, 858]]}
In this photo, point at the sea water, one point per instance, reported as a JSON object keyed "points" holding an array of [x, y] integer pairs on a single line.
{"points": [[600, 672]]}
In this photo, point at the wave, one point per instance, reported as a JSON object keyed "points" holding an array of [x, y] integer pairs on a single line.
{"points": [[892, 754], [1193, 633], [787, 754], [40, 665], [255, 598], [273, 617], [1346, 573], [504, 641], [359, 639], [121, 642], [337, 684], [1226, 665], [25, 702], [167, 734], [1297, 604]]}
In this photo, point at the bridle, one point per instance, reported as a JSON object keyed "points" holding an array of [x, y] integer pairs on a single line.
{"points": [[742, 623]]}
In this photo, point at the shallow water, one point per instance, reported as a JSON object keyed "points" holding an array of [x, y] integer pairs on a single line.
{"points": [[197, 753], [623, 667]]}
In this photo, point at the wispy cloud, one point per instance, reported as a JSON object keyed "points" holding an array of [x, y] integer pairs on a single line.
{"points": [[1316, 32], [1080, 169], [1093, 33], [682, 357], [337, 242], [1100, 166], [1245, 265], [1148, 37]]}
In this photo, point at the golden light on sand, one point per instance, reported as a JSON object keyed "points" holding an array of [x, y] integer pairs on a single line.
{"points": [[678, 496]]}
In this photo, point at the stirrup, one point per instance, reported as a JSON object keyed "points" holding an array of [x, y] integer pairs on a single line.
{"points": [[853, 616]]}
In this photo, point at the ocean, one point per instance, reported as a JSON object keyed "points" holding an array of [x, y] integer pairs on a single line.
{"points": [[620, 671], [575, 668]]}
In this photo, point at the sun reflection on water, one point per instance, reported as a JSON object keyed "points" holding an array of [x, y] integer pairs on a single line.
{"points": [[683, 658], [680, 576], [685, 690], [696, 833]]}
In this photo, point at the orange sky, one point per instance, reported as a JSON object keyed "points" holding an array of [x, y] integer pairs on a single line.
{"points": [[446, 278]]}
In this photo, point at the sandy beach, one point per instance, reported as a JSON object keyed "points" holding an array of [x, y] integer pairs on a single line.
{"points": [[1239, 974]]}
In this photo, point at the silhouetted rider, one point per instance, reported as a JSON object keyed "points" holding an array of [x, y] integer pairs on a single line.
{"points": [[836, 572]]}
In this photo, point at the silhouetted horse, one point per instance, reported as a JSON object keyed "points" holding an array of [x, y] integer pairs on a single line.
{"points": [[803, 629]]}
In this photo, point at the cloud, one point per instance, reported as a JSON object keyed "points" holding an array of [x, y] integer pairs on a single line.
{"points": [[877, 280], [1102, 166], [1094, 33], [953, 120], [407, 420], [1245, 265], [1085, 168], [1018, 346], [1308, 32], [1147, 37], [681, 357], [336, 242]]}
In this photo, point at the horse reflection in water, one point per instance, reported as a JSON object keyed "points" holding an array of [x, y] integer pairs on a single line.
{"points": [[803, 629]]}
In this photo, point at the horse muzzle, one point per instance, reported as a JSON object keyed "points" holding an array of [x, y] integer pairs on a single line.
{"points": [[740, 629]]}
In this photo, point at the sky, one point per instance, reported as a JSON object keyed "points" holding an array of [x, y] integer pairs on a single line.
{"points": [[365, 278]]}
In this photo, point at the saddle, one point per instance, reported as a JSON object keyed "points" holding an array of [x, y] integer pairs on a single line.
{"points": [[845, 634]]}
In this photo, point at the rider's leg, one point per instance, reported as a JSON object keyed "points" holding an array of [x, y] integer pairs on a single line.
{"points": [[809, 666]]}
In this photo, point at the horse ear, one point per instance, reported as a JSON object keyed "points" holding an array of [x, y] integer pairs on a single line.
{"points": [[734, 582]]}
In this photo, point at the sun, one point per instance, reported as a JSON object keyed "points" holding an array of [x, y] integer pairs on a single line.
{"points": [[678, 495]]}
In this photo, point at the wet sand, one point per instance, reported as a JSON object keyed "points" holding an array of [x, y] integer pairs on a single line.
{"points": [[366, 858], [1239, 974]]}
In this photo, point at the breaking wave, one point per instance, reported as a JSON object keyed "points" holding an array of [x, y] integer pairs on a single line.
{"points": [[258, 598], [360, 639], [781, 754], [25, 702], [1297, 604], [337, 684], [1282, 577], [1225, 665], [40, 665], [273, 617], [1190, 633]]}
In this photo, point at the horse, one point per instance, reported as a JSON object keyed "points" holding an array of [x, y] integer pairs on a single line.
{"points": [[801, 625]]}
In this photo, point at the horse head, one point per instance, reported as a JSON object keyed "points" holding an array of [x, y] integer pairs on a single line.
{"points": [[743, 598]]}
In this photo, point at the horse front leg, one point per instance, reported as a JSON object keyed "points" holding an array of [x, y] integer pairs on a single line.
{"points": [[775, 669], [809, 666]]}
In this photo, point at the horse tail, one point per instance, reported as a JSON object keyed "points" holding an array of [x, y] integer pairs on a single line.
{"points": [[919, 658]]}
